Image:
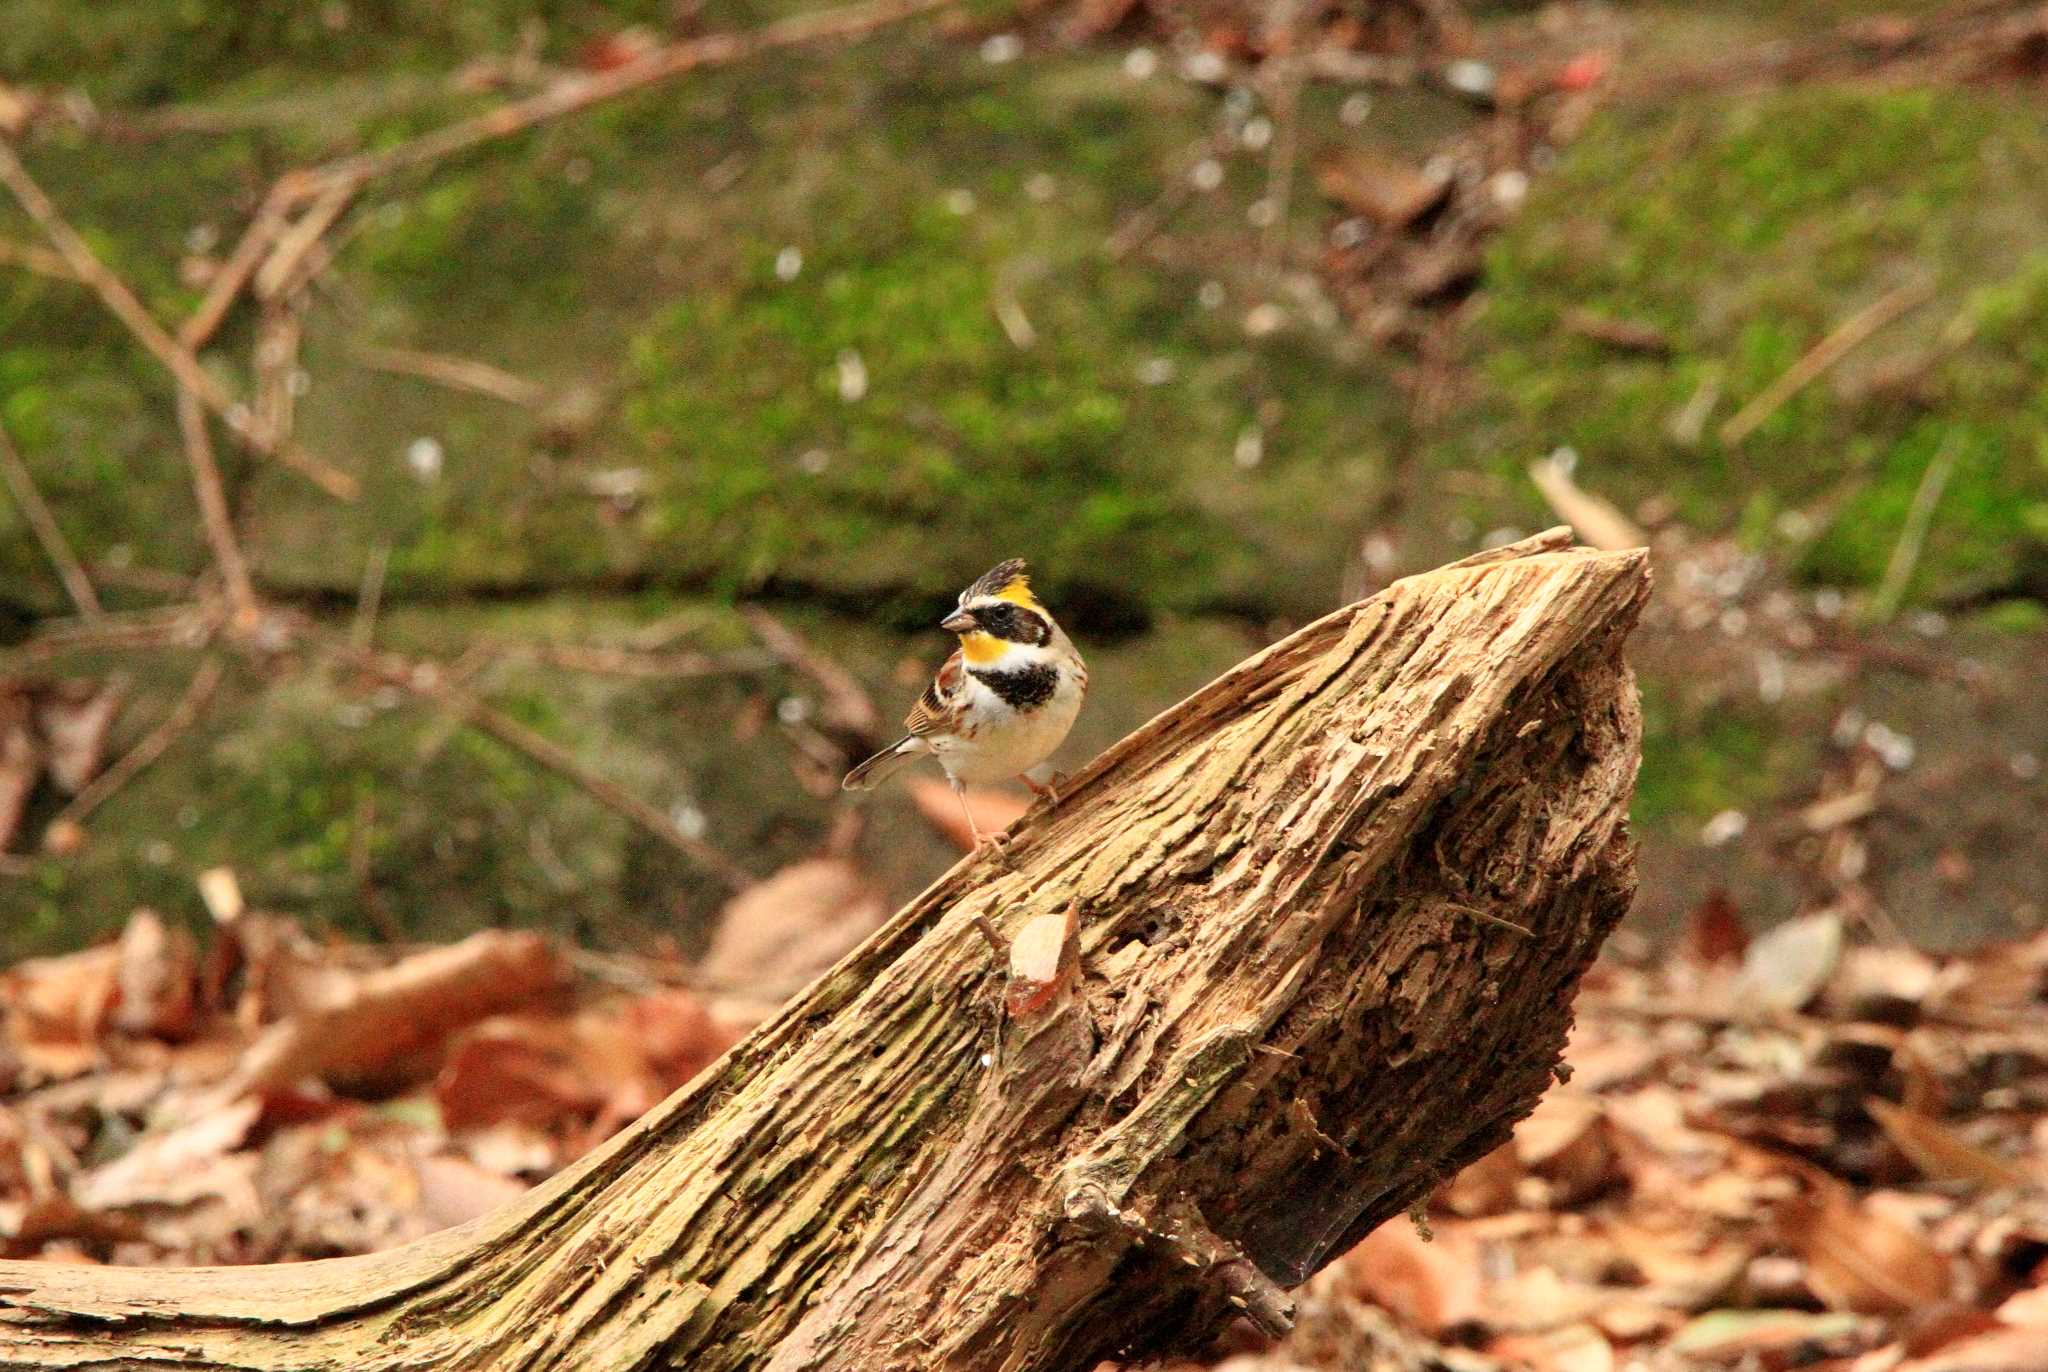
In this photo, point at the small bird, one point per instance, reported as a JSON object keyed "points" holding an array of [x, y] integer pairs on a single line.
{"points": [[1001, 703]]}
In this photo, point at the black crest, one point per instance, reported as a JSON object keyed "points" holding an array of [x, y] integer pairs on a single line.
{"points": [[997, 579]]}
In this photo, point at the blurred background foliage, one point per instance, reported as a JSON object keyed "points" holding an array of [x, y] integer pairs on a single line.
{"points": [[767, 322]]}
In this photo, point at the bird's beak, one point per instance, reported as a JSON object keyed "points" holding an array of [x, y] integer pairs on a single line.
{"points": [[959, 622]]}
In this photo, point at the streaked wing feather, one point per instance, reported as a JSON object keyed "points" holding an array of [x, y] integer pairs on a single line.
{"points": [[935, 709]]}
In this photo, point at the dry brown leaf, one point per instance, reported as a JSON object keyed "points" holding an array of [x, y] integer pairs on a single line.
{"points": [[2028, 1307], [2021, 1349], [778, 934], [74, 719], [175, 1167], [1934, 1149], [674, 1036], [1858, 1260], [1384, 189], [455, 1190], [1434, 1285], [518, 1071], [1487, 1187], [1786, 968], [158, 977], [1574, 1348], [1566, 1141], [56, 1008], [1714, 932], [369, 1026], [994, 810]]}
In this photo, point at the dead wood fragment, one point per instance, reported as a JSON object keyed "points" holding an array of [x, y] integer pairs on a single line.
{"points": [[893, 1174]]}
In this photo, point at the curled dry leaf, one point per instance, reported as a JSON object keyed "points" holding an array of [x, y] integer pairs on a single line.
{"points": [[370, 1025], [778, 934], [1859, 1260], [994, 810], [1939, 1154], [158, 978], [1434, 1286], [55, 1009], [176, 1167], [1786, 968], [74, 719]]}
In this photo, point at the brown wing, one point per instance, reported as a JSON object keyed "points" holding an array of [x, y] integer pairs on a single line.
{"points": [[934, 710]]}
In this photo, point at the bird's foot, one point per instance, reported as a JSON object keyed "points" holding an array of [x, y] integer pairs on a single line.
{"points": [[1049, 790]]}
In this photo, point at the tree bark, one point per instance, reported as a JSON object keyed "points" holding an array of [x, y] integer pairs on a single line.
{"points": [[1314, 937]]}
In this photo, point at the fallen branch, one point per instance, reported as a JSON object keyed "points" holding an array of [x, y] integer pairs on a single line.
{"points": [[175, 357], [1259, 1034], [1823, 355], [22, 484], [64, 831]]}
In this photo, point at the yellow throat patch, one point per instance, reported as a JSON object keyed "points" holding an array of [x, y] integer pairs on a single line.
{"points": [[978, 649]]}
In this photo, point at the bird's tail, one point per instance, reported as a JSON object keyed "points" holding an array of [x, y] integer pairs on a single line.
{"points": [[884, 764]]}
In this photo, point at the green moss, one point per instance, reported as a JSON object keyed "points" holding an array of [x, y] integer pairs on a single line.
{"points": [[1698, 763], [1747, 229]]}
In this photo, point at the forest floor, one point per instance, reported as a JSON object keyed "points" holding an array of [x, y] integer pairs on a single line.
{"points": [[1215, 346], [678, 420]]}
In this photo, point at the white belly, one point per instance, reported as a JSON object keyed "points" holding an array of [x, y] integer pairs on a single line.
{"points": [[1004, 743]]}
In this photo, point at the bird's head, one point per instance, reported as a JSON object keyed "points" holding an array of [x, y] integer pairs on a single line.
{"points": [[998, 615]]}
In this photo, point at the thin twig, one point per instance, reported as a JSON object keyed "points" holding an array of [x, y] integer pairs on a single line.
{"points": [[1137, 229], [41, 261], [580, 92], [370, 595], [277, 357], [69, 570], [182, 716], [439, 685], [1913, 533], [175, 626], [456, 373], [175, 357], [1285, 95], [233, 274], [213, 512], [1823, 355], [280, 270], [848, 707], [549, 754]]}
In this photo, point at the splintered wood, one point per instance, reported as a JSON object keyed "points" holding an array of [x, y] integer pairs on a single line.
{"points": [[1268, 1029]]}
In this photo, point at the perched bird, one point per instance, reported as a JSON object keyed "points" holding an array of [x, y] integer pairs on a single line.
{"points": [[1001, 703]]}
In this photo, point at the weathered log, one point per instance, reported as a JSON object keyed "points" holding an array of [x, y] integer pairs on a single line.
{"points": [[1292, 1003]]}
